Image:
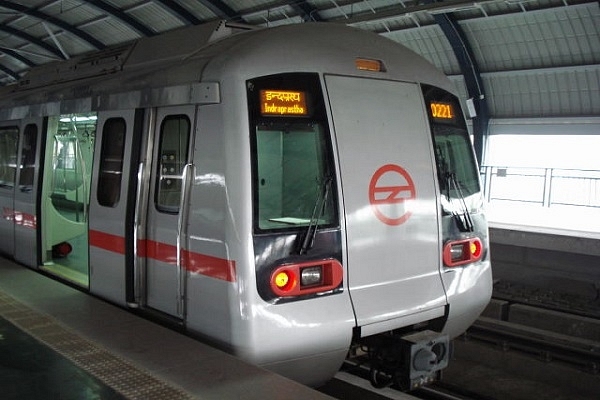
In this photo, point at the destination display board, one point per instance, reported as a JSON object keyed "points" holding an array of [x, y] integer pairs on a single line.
{"points": [[283, 103]]}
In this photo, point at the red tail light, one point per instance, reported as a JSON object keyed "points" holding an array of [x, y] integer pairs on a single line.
{"points": [[460, 252], [306, 278]]}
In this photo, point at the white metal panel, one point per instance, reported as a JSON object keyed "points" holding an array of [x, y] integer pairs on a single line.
{"points": [[164, 269], [26, 251], [109, 227], [392, 243]]}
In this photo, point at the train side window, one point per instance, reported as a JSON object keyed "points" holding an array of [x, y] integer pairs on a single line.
{"points": [[172, 152], [28, 157], [111, 164], [9, 138]]}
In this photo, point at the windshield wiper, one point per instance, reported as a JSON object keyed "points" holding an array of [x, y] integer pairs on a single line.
{"points": [[308, 239], [464, 220]]}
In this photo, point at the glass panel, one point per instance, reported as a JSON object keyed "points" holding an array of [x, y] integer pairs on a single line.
{"points": [[292, 161], [72, 156], [9, 138], [111, 162], [456, 166], [28, 158], [292, 176], [173, 151]]}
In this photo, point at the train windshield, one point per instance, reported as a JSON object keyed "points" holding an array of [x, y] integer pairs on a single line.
{"points": [[455, 161], [292, 167]]}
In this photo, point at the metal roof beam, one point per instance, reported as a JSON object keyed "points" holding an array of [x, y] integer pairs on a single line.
{"points": [[17, 56], [396, 11], [220, 9], [470, 70], [10, 72], [33, 40], [53, 20], [178, 9], [120, 15], [307, 12]]}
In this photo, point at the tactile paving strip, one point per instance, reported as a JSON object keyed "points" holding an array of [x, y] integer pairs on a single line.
{"points": [[125, 378]]}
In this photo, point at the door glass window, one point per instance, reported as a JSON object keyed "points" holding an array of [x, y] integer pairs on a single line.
{"points": [[9, 138], [111, 164], [28, 157], [172, 153]]}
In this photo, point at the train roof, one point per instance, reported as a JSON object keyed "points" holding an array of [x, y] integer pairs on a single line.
{"points": [[186, 66]]}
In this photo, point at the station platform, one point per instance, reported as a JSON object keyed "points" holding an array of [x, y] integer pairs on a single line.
{"points": [[57, 342]]}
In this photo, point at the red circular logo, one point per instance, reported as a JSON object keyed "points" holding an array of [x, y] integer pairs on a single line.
{"points": [[390, 187]]}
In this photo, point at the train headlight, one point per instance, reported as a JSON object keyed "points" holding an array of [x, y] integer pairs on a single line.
{"points": [[311, 276], [306, 277], [460, 252]]}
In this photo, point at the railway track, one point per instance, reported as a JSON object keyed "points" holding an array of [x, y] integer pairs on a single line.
{"points": [[548, 346], [502, 345]]}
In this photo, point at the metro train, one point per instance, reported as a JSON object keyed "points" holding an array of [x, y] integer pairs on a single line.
{"points": [[295, 195]]}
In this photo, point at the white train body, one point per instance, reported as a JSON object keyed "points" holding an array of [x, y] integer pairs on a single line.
{"points": [[278, 192]]}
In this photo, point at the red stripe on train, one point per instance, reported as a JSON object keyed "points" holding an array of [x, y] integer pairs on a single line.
{"points": [[107, 241], [195, 263]]}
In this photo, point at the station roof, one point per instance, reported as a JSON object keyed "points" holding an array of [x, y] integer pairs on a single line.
{"points": [[527, 58]]}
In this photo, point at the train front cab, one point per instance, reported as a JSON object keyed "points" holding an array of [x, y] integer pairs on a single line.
{"points": [[379, 168]]}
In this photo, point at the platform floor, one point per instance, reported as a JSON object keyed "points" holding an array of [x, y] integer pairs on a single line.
{"points": [[57, 342]]}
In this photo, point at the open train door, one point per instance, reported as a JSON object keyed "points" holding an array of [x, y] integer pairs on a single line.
{"points": [[392, 228], [64, 198], [162, 247], [112, 204]]}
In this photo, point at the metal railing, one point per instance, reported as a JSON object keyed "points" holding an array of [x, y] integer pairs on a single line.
{"points": [[544, 186]]}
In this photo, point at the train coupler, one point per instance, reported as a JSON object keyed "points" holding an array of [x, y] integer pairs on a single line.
{"points": [[409, 361], [427, 354]]}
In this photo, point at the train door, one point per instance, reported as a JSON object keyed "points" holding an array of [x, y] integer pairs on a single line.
{"points": [[9, 142], [165, 273], [393, 249], [112, 202], [26, 190], [65, 196]]}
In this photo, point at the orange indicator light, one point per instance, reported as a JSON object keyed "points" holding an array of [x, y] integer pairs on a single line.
{"points": [[365, 64]]}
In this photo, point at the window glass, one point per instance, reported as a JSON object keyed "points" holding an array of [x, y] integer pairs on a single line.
{"points": [[455, 161], [292, 176], [111, 164], [173, 151], [9, 138], [293, 173], [28, 157], [73, 145]]}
